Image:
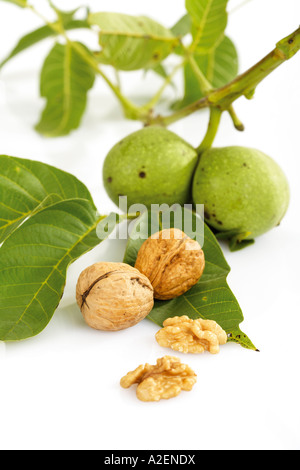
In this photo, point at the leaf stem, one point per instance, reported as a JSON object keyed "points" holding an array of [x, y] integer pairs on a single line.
{"points": [[129, 108], [205, 85], [150, 105], [54, 26]]}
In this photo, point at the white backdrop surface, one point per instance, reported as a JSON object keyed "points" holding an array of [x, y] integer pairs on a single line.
{"points": [[60, 390]]}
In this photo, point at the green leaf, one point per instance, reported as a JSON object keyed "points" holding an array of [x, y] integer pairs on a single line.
{"points": [[19, 3], [39, 35], [236, 240], [34, 262], [27, 186], [48, 220], [66, 16], [183, 26], [209, 19], [210, 299], [65, 81], [219, 66], [159, 70], [181, 29], [132, 43]]}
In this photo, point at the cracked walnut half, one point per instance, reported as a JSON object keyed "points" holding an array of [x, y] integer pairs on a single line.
{"points": [[191, 336], [163, 381]]}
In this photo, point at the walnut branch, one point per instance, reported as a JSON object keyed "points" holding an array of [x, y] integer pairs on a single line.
{"points": [[244, 85]]}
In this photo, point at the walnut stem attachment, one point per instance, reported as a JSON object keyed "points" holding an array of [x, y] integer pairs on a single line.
{"points": [[213, 126]]}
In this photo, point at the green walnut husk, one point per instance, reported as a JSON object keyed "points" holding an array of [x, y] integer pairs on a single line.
{"points": [[244, 191], [151, 166]]}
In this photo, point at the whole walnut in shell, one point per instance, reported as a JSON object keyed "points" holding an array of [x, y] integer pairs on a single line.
{"points": [[113, 296], [172, 261]]}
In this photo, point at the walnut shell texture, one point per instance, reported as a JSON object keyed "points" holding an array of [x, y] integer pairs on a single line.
{"points": [[172, 261], [113, 296]]}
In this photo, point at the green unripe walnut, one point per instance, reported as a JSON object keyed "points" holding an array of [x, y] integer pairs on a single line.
{"points": [[243, 190], [151, 166]]}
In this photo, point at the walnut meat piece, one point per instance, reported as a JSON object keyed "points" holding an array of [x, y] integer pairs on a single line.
{"points": [[113, 296], [191, 336], [163, 381], [172, 261]]}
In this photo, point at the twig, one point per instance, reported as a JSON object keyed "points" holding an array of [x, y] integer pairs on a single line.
{"points": [[243, 85]]}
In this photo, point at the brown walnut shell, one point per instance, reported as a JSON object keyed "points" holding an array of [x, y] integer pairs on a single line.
{"points": [[113, 296], [172, 261]]}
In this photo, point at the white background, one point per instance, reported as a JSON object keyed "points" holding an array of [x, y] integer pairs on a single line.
{"points": [[60, 390]]}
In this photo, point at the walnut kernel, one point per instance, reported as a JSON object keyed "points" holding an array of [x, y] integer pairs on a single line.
{"points": [[163, 381], [191, 336], [172, 261], [113, 296]]}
